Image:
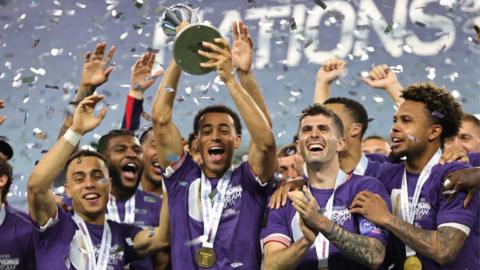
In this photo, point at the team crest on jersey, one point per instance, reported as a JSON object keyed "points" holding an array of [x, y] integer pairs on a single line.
{"points": [[422, 209]]}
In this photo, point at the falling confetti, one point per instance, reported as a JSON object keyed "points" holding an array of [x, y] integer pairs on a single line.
{"points": [[389, 28], [293, 25], [438, 114], [321, 4], [35, 43]]}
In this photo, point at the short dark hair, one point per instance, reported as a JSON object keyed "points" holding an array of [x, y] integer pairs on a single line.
{"points": [[105, 139], [85, 153], [442, 107], [217, 109], [6, 169], [375, 137], [466, 117], [356, 111], [317, 109], [144, 134], [287, 150], [191, 138]]}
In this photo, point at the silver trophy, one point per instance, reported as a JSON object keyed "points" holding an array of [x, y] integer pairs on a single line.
{"points": [[173, 16]]}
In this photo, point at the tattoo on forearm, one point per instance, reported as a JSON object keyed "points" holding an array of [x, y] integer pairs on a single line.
{"points": [[442, 245], [365, 250]]}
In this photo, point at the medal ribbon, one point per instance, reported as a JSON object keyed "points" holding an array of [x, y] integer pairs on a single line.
{"points": [[2, 214], [362, 165], [212, 207], [408, 210], [104, 252], [129, 210], [321, 242]]}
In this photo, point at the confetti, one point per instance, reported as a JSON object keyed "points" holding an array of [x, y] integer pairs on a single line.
{"points": [[307, 43], [138, 4], [293, 25], [152, 50], [321, 4], [35, 43], [396, 69], [363, 27], [52, 86], [389, 28], [438, 114], [412, 138], [420, 24], [38, 133]]}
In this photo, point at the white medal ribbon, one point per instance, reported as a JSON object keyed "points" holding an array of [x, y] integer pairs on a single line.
{"points": [[321, 242], [212, 208], [104, 252], [129, 210], [362, 165], [2, 214], [408, 210]]}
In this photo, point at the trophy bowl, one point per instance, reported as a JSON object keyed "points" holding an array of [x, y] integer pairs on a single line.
{"points": [[188, 42], [173, 16]]}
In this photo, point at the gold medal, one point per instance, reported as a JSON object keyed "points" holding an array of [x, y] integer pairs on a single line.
{"points": [[205, 257], [412, 263]]}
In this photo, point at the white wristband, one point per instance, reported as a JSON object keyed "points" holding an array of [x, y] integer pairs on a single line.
{"points": [[72, 137]]}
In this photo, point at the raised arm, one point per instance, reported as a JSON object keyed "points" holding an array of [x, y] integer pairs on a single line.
{"points": [[329, 72], [141, 79], [382, 77], [167, 137], [261, 156], [368, 251], [442, 245], [95, 72], [242, 59], [41, 200], [148, 241], [2, 117]]}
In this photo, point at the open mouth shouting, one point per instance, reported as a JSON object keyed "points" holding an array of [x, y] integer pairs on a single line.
{"points": [[130, 171], [216, 153]]}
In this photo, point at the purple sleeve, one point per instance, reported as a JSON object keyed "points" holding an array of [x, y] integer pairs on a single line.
{"points": [[366, 227], [252, 182], [452, 211], [129, 232], [378, 157], [133, 112], [179, 175], [474, 158], [277, 229]]}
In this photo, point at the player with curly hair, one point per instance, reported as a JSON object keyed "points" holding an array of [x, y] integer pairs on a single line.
{"points": [[433, 232]]}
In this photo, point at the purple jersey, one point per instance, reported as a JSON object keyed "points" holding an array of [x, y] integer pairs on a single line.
{"points": [[16, 249], [474, 158], [433, 210], [283, 223], [147, 214], [237, 243], [52, 246]]}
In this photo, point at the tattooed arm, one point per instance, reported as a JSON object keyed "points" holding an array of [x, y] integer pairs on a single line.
{"points": [[362, 249], [442, 245], [365, 250]]}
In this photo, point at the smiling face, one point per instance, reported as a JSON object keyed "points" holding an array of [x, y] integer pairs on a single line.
{"points": [[216, 141], [468, 137], [412, 130], [151, 170], [88, 185], [125, 157], [375, 146], [318, 140]]}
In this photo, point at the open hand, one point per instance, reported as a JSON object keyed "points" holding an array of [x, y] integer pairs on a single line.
{"points": [[83, 119], [242, 48], [141, 72], [219, 58], [371, 206], [96, 69], [465, 179]]}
